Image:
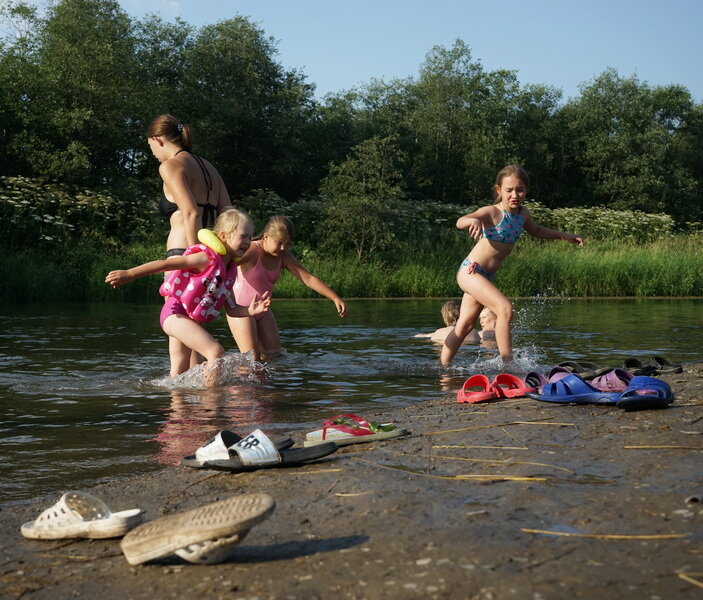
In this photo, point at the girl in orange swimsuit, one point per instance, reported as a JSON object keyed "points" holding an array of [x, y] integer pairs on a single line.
{"points": [[496, 228], [257, 273]]}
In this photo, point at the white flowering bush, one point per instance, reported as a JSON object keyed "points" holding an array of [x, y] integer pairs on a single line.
{"points": [[34, 212], [600, 223]]}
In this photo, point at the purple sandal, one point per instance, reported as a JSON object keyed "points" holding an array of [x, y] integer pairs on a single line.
{"points": [[615, 380]]}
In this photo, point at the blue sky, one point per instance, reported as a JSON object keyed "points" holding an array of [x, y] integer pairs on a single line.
{"points": [[563, 43]]}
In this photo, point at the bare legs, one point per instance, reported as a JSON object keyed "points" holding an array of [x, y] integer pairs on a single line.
{"points": [[260, 335], [480, 292], [189, 337]]}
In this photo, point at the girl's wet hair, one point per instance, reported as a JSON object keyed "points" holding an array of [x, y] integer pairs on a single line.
{"points": [[450, 312], [508, 171], [229, 220], [171, 129], [278, 227]]}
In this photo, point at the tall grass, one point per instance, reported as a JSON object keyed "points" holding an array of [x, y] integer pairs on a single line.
{"points": [[671, 267], [666, 267]]}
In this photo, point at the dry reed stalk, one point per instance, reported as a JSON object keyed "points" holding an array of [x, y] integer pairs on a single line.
{"points": [[609, 536], [506, 461], [455, 477], [312, 472], [520, 445], [500, 477], [548, 423], [663, 448], [464, 446], [689, 578]]}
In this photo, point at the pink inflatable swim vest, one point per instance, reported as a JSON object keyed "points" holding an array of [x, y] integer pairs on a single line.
{"points": [[202, 294]]}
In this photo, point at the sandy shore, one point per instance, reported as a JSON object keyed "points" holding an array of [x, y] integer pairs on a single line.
{"points": [[511, 499]]}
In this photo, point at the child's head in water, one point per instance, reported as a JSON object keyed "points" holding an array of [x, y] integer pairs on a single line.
{"points": [[450, 312], [277, 235], [487, 319]]}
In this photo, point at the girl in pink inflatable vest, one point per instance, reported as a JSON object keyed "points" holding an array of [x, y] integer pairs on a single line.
{"points": [[198, 286]]}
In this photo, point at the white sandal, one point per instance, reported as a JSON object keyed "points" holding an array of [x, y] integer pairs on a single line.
{"points": [[81, 515], [203, 535]]}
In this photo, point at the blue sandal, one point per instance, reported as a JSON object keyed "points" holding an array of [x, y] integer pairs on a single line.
{"points": [[573, 389], [646, 392]]}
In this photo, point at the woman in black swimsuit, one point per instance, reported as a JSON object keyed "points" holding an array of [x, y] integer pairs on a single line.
{"points": [[193, 191]]}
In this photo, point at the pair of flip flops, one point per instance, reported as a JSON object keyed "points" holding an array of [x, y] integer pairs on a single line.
{"points": [[204, 535], [642, 392], [351, 429], [658, 365], [478, 388], [227, 451]]}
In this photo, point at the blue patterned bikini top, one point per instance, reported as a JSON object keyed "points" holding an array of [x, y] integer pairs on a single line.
{"points": [[508, 230]]}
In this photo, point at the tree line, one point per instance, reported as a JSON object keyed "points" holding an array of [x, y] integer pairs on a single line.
{"points": [[80, 83]]}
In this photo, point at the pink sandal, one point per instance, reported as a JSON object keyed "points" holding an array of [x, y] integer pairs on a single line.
{"points": [[486, 390], [511, 386]]}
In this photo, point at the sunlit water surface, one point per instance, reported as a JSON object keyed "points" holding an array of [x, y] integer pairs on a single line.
{"points": [[85, 397]]}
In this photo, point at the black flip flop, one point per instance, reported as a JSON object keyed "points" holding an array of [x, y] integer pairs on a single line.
{"points": [[636, 367], [286, 457], [662, 365], [585, 370]]}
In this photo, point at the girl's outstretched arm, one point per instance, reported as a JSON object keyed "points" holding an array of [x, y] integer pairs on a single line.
{"points": [[545, 233], [192, 261], [314, 283]]}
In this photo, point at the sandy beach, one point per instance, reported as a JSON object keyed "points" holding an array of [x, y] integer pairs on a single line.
{"points": [[508, 499]]}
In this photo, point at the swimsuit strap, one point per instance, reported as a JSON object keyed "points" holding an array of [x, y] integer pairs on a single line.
{"points": [[209, 211], [206, 175]]}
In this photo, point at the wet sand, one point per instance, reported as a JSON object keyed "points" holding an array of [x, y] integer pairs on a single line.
{"points": [[510, 499]]}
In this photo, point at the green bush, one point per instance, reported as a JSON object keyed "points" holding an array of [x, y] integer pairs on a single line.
{"points": [[600, 223], [38, 213]]}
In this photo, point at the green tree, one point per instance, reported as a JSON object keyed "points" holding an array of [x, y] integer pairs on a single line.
{"points": [[18, 82], [78, 102], [363, 196], [460, 114], [626, 138], [250, 114]]}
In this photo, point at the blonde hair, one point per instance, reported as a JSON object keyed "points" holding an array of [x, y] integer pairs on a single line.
{"points": [[229, 220], [170, 128], [508, 171], [450, 312], [278, 227], [488, 312]]}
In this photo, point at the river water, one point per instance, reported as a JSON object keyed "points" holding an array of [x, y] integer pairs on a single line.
{"points": [[85, 397]]}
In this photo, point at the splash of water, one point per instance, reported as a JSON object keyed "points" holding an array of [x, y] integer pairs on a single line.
{"points": [[231, 369]]}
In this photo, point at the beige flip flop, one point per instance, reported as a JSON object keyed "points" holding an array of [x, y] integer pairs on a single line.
{"points": [[81, 515], [203, 535], [352, 429]]}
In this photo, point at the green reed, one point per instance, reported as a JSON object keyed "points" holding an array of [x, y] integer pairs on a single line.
{"points": [[667, 267]]}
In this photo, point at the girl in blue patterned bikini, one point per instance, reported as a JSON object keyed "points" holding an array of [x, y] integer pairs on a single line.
{"points": [[496, 229]]}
